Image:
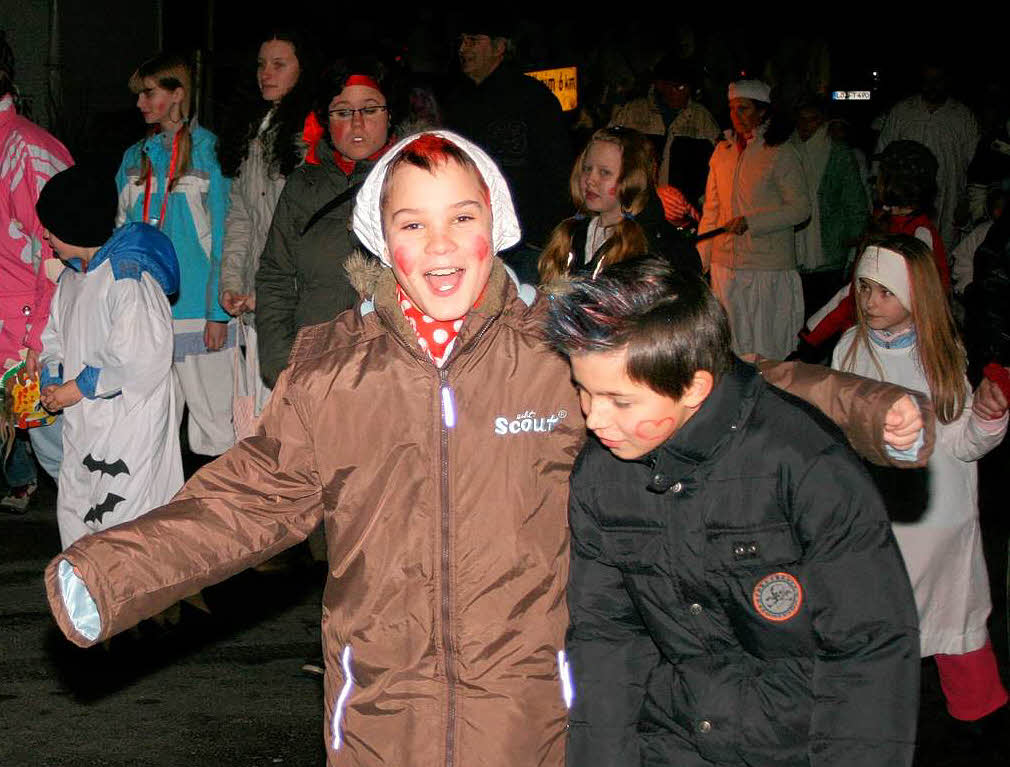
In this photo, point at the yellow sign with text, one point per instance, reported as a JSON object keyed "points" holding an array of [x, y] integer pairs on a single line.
{"points": [[563, 83]]}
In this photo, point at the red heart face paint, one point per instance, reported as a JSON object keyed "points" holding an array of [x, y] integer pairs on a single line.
{"points": [[438, 235], [627, 417], [650, 430]]}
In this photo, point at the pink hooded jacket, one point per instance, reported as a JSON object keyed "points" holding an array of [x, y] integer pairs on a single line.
{"points": [[29, 157]]}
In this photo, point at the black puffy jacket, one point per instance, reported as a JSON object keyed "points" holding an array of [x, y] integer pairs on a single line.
{"points": [[737, 597]]}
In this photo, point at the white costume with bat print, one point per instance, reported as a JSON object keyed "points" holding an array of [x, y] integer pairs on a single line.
{"points": [[110, 328]]}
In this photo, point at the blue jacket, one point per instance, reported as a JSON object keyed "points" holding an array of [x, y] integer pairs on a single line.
{"points": [[194, 216]]}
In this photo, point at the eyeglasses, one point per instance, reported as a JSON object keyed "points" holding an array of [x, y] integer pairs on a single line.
{"points": [[365, 112]]}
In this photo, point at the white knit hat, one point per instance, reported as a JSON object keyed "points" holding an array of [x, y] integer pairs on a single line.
{"points": [[367, 217], [750, 89], [888, 268]]}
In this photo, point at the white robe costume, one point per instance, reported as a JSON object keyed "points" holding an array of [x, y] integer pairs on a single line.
{"points": [[110, 328], [943, 549]]}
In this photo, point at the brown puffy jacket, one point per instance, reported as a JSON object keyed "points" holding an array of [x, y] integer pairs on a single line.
{"points": [[448, 546]]}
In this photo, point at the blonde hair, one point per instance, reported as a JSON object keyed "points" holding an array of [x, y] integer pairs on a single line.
{"points": [[938, 349], [635, 183], [170, 72]]}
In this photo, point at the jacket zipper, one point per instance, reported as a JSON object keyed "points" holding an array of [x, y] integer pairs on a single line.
{"points": [[446, 402], [448, 421], [450, 660]]}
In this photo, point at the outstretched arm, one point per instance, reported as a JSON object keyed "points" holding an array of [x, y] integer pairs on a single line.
{"points": [[259, 498], [873, 415]]}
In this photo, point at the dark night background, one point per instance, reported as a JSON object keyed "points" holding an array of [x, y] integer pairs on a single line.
{"points": [[99, 44]]}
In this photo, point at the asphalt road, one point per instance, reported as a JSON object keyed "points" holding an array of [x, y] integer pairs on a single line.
{"points": [[224, 689], [227, 690]]}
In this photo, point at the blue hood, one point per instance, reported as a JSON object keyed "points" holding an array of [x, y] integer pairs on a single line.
{"points": [[137, 248]]}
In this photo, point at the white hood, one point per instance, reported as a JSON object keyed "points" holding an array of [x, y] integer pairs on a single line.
{"points": [[367, 217]]}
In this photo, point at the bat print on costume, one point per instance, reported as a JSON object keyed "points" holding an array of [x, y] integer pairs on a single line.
{"points": [[112, 469], [95, 513]]}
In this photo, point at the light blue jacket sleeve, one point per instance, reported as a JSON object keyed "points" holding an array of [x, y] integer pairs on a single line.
{"points": [[217, 204]]}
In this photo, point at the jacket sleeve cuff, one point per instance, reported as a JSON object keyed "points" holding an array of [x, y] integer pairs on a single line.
{"points": [[217, 314], [87, 381], [80, 607], [910, 453], [50, 374]]}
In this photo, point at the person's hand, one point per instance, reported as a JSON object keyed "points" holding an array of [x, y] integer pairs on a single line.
{"points": [[676, 208], [31, 367], [214, 335], [57, 397], [990, 402], [236, 303], [902, 424], [736, 225]]}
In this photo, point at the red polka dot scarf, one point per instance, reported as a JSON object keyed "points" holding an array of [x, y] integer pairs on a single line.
{"points": [[435, 337]]}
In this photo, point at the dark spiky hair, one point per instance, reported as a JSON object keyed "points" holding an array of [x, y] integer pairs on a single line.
{"points": [[669, 322]]}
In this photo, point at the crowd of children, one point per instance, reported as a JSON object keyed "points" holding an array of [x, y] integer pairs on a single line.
{"points": [[735, 591], [454, 512]]}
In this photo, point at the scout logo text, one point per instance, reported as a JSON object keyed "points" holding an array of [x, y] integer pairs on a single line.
{"points": [[528, 421]]}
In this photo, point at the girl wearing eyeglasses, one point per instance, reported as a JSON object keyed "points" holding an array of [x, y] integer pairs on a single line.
{"points": [[301, 279]]}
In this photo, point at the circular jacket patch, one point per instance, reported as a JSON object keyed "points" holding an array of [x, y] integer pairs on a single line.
{"points": [[778, 596]]}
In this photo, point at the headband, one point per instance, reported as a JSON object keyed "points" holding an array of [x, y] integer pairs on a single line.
{"points": [[888, 268], [365, 80]]}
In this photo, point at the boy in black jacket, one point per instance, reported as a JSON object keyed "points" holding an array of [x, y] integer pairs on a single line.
{"points": [[736, 595]]}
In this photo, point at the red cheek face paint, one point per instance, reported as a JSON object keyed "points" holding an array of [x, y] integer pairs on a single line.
{"points": [[482, 249], [404, 260], [650, 430], [612, 192], [339, 131]]}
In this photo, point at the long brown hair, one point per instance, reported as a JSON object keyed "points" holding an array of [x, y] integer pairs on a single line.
{"points": [[636, 181], [170, 72], [938, 348]]}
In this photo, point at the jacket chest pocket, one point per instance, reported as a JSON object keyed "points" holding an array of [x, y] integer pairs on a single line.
{"points": [[760, 574], [741, 550], [634, 549]]}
